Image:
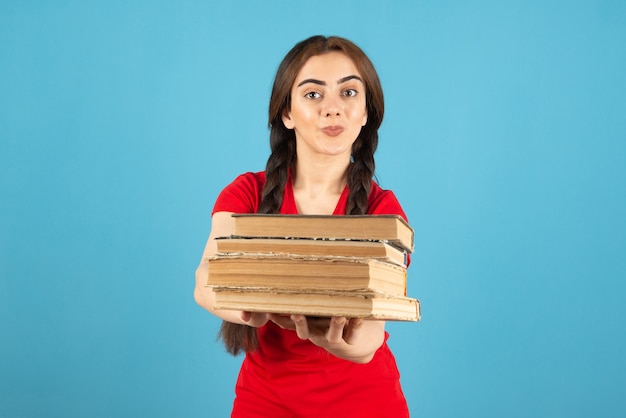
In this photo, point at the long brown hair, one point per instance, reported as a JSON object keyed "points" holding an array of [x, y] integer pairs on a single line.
{"points": [[238, 337]]}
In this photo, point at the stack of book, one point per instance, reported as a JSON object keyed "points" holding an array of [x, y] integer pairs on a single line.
{"points": [[316, 265]]}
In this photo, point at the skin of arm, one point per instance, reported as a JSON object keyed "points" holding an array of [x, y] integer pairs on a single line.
{"points": [[221, 225], [350, 339]]}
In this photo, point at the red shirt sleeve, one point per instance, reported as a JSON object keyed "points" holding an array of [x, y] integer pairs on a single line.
{"points": [[243, 195], [384, 202]]}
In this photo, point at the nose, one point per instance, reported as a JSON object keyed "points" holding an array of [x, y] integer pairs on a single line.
{"points": [[331, 107]]}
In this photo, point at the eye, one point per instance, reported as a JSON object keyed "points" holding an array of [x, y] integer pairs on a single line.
{"points": [[312, 95], [350, 92]]}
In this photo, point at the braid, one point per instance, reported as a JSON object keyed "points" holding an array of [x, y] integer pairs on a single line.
{"points": [[360, 175], [239, 337], [276, 174]]}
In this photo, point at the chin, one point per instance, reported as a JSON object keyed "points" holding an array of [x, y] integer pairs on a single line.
{"points": [[336, 149], [337, 153]]}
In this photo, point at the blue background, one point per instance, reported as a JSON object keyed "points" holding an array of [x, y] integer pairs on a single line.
{"points": [[504, 139]]}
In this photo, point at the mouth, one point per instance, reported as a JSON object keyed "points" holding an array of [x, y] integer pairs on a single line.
{"points": [[332, 130]]}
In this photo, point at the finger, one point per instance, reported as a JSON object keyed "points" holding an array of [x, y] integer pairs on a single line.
{"points": [[335, 331], [353, 328], [282, 321], [302, 328], [318, 326], [254, 319], [258, 319]]}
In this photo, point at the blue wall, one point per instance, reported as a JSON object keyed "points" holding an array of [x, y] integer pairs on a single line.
{"points": [[504, 138]]}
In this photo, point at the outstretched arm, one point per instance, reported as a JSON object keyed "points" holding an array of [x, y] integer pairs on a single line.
{"points": [[350, 339], [221, 225]]}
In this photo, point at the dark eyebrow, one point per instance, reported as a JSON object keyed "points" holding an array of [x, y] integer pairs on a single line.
{"points": [[312, 80], [323, 83], [348, 78]]}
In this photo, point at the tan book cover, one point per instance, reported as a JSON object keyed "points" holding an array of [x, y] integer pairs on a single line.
{"points": [[309, 247], [307, 273], [388, 228], [352, 305]]}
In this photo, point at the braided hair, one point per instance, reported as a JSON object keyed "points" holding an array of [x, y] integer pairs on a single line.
{"points": [[238, 337]]}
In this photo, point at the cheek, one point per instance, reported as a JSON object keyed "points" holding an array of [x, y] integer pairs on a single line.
{"points": [[360, 114], [304, 113]]}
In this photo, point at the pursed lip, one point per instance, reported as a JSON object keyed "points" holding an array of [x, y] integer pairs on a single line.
{"points": [[333, 130]]}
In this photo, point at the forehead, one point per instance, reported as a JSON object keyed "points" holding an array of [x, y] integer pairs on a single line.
{"points": [[329, 67]]}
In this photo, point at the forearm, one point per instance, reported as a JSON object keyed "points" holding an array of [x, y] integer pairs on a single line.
{"points": [[205, 297]]}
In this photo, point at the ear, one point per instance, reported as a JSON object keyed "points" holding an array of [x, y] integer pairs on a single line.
{"points": [[287, 121], [364, 118]]}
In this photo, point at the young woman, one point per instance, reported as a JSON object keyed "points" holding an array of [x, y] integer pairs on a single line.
{"points": [[325, 110]]}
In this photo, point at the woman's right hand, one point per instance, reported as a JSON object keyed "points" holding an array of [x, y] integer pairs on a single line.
{"points": [[254, 319]]}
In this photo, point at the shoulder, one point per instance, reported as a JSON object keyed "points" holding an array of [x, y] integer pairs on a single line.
{"points": [[252, 180], [383, 202], [242, 195]]}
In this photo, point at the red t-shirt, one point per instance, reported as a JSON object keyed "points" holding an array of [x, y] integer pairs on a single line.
{"points": [[290, 377]]}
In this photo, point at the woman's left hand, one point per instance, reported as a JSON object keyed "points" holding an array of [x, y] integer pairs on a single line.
{"points": [[341, 336], [320, 330]]}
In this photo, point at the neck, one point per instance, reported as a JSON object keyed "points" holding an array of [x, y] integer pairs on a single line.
{"points": [[323, 175], [318, 184]]}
